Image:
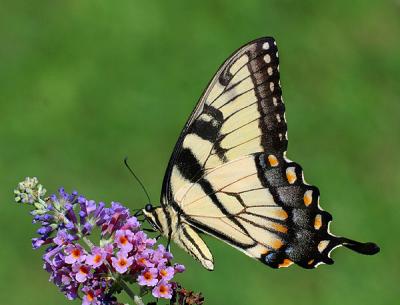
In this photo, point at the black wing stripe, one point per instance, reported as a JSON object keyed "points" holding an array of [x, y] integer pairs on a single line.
{"points": [[218, 234], [258, 225], [189, 237]]}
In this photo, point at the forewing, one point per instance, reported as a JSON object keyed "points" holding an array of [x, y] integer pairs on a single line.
{"points": [[240, 113]]}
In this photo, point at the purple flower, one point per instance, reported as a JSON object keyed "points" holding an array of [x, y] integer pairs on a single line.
{"points": [[142, 242], [62, 238], [122, 238], [143, 259], [166, 273], [37, 242], [161, 256], [96, 259], [89, 296], [148, 277], [162, 290], [179, 268], [82, 272], [45, 230], [113, 218], [75, 254], [122, 262], [131, 224], [71, 291], [87, 228], [65, 279]]}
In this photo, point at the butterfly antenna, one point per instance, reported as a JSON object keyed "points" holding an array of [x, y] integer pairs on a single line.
{"points": [[137, 178]]}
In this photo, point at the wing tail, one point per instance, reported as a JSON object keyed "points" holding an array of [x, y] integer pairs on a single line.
{"points": [[368, 248]]}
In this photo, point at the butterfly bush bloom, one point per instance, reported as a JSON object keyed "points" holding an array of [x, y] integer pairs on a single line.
{"points": [[96, 259], [92, 251], [163, 290], [122, 262]]}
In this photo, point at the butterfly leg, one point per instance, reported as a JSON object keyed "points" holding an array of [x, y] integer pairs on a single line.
{"points": [[149, 230]]}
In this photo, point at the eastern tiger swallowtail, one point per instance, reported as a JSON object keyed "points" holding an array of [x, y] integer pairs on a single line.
{"points": [[229, 175]]}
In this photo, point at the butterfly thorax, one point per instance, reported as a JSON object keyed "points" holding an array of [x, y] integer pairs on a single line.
{"points": [[162, 219], [169, 223]]}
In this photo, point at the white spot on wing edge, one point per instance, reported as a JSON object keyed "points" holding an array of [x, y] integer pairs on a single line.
{"points": [[267, 58], [265, 46], [271, 86]]}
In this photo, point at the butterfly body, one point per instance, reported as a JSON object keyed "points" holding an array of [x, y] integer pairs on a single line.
{"points": [[229, 175]]}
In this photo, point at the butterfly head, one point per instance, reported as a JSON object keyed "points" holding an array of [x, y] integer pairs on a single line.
{"points": [[156, 217]]}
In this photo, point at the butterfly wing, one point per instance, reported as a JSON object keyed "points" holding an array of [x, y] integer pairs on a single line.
{"points": [[229, 176], [262, 208], [241, 112]]}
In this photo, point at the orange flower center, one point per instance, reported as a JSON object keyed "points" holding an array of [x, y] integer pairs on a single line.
{"points": [[123, 240], [122, 262], [163, 289], [97, 258], [163, 272], [76, 253], [83, 270], [90, 296], [147, 275], [142, 260]]}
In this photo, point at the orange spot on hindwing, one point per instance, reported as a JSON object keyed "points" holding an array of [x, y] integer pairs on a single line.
{"points": [[276, 244], [280, 228], [291, 175], [318, 222], [307, 198], [273, 161], [286, 263], [281, 214]]}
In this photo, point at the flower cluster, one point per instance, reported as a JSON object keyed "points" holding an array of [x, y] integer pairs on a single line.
{"points": [[89, 269], [29, 190]]}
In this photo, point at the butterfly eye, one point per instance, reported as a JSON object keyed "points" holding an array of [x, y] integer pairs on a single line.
{"points": [[148, 207]]}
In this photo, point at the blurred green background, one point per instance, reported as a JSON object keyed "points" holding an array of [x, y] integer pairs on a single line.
{"points": [[85, 83]]}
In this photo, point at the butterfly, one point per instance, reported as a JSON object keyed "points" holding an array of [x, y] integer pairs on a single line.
{"points": [[229, 176]]}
